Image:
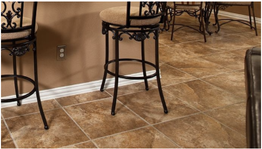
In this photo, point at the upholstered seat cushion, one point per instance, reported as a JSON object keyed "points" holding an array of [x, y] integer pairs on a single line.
{"points": [[185, 6], [16, 35], [117, 15]]}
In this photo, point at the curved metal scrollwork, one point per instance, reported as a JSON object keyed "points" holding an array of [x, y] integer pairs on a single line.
{"points": [[9, 15], [152, 8], [18, 51]]}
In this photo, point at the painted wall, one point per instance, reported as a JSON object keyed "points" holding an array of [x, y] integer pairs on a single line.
{"points": [[244, 10], [78, 26]]}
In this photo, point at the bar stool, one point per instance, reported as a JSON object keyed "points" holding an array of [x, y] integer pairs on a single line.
{"points": [[18, 35], [138, 23], [224, 5]]}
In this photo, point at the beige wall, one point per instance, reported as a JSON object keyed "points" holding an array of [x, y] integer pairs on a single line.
{"points": [[242, 10], [78, 26]]}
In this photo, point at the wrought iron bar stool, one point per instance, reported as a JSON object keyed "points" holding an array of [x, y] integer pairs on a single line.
{"points": [[194, 9], [138, 23], [18, 35], [224, 5]]}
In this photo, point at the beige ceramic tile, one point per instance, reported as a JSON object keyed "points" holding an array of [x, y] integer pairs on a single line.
{"points": [[6, 140], [80, 98], [88, 144], [170, 75], [233, 82], [233, 116], [28, 131], [198, 67], [226, 59], [148, 105], [133, 88], [201, 95], [28, 108], [96, 120], [142, 138], [201, 131]]}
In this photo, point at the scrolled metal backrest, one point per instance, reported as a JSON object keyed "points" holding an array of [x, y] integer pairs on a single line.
{"points": [[147, 10], [12, 18]]}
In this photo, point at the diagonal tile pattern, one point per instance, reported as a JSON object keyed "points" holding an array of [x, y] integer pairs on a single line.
{"points": [[204, 89]]}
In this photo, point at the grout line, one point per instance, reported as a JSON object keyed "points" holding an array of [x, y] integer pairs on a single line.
{"points": [[30, 113], [9, 131], [76, 124], [232, 129]]}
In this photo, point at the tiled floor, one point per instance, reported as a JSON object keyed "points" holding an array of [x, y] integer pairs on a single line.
{"points": [[204, 89]]}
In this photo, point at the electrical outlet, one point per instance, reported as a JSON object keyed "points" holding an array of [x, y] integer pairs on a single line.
{"points": [[61, 52]]}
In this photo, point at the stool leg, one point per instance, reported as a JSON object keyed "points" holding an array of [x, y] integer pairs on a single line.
{"points": [[143, 63], [37, 89], [216, 9], [106, 61], [15, 80], [116, 72], [157, 73], [254, 17], [249, 15]]}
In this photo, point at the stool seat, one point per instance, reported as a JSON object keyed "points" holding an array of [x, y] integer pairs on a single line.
{"points": [[17, 35], [117, 15]]}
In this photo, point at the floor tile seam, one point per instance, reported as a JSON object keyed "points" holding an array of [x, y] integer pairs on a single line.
{"points": [[77, 143], [177, 118], [33, 113], [76, 124], [108, 93], [86, 102], [10, 133], [217, 108], [188, 104], [221, 88], [202, 76], [232, 129], [181, 70], [126, 131], [168, 138], [148, 123]]}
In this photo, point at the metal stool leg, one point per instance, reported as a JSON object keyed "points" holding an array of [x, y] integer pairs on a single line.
{"points": [[116, 72], [173, 25], [106, 61], [15, 80], [254, 17], [37, 89], [143, 63], [249, 15], [157, 73]]}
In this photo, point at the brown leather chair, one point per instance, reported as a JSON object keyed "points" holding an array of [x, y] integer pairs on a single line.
{"points": [[253, 89]]}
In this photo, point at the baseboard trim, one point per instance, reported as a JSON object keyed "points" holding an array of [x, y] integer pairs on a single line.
{"points": [[238, 16], [75, 89]]}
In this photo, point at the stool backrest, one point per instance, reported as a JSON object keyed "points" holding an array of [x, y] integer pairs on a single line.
{"points": [[147, 10], [12, 15]]}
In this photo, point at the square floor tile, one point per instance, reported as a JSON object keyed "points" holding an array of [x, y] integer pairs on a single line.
{"points": [[6, 140], [148, 105], [233, 116], [201, 95], [170, 75], [28, 108], [226, 59], [28, 131], [201, 131], [142, 138], [96, 120], [80, 98], [198, 67], [233, 82]]}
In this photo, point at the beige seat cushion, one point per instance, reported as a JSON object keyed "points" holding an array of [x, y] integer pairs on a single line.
{"points": [[185, 6], [117, 15], [16, 35]]}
